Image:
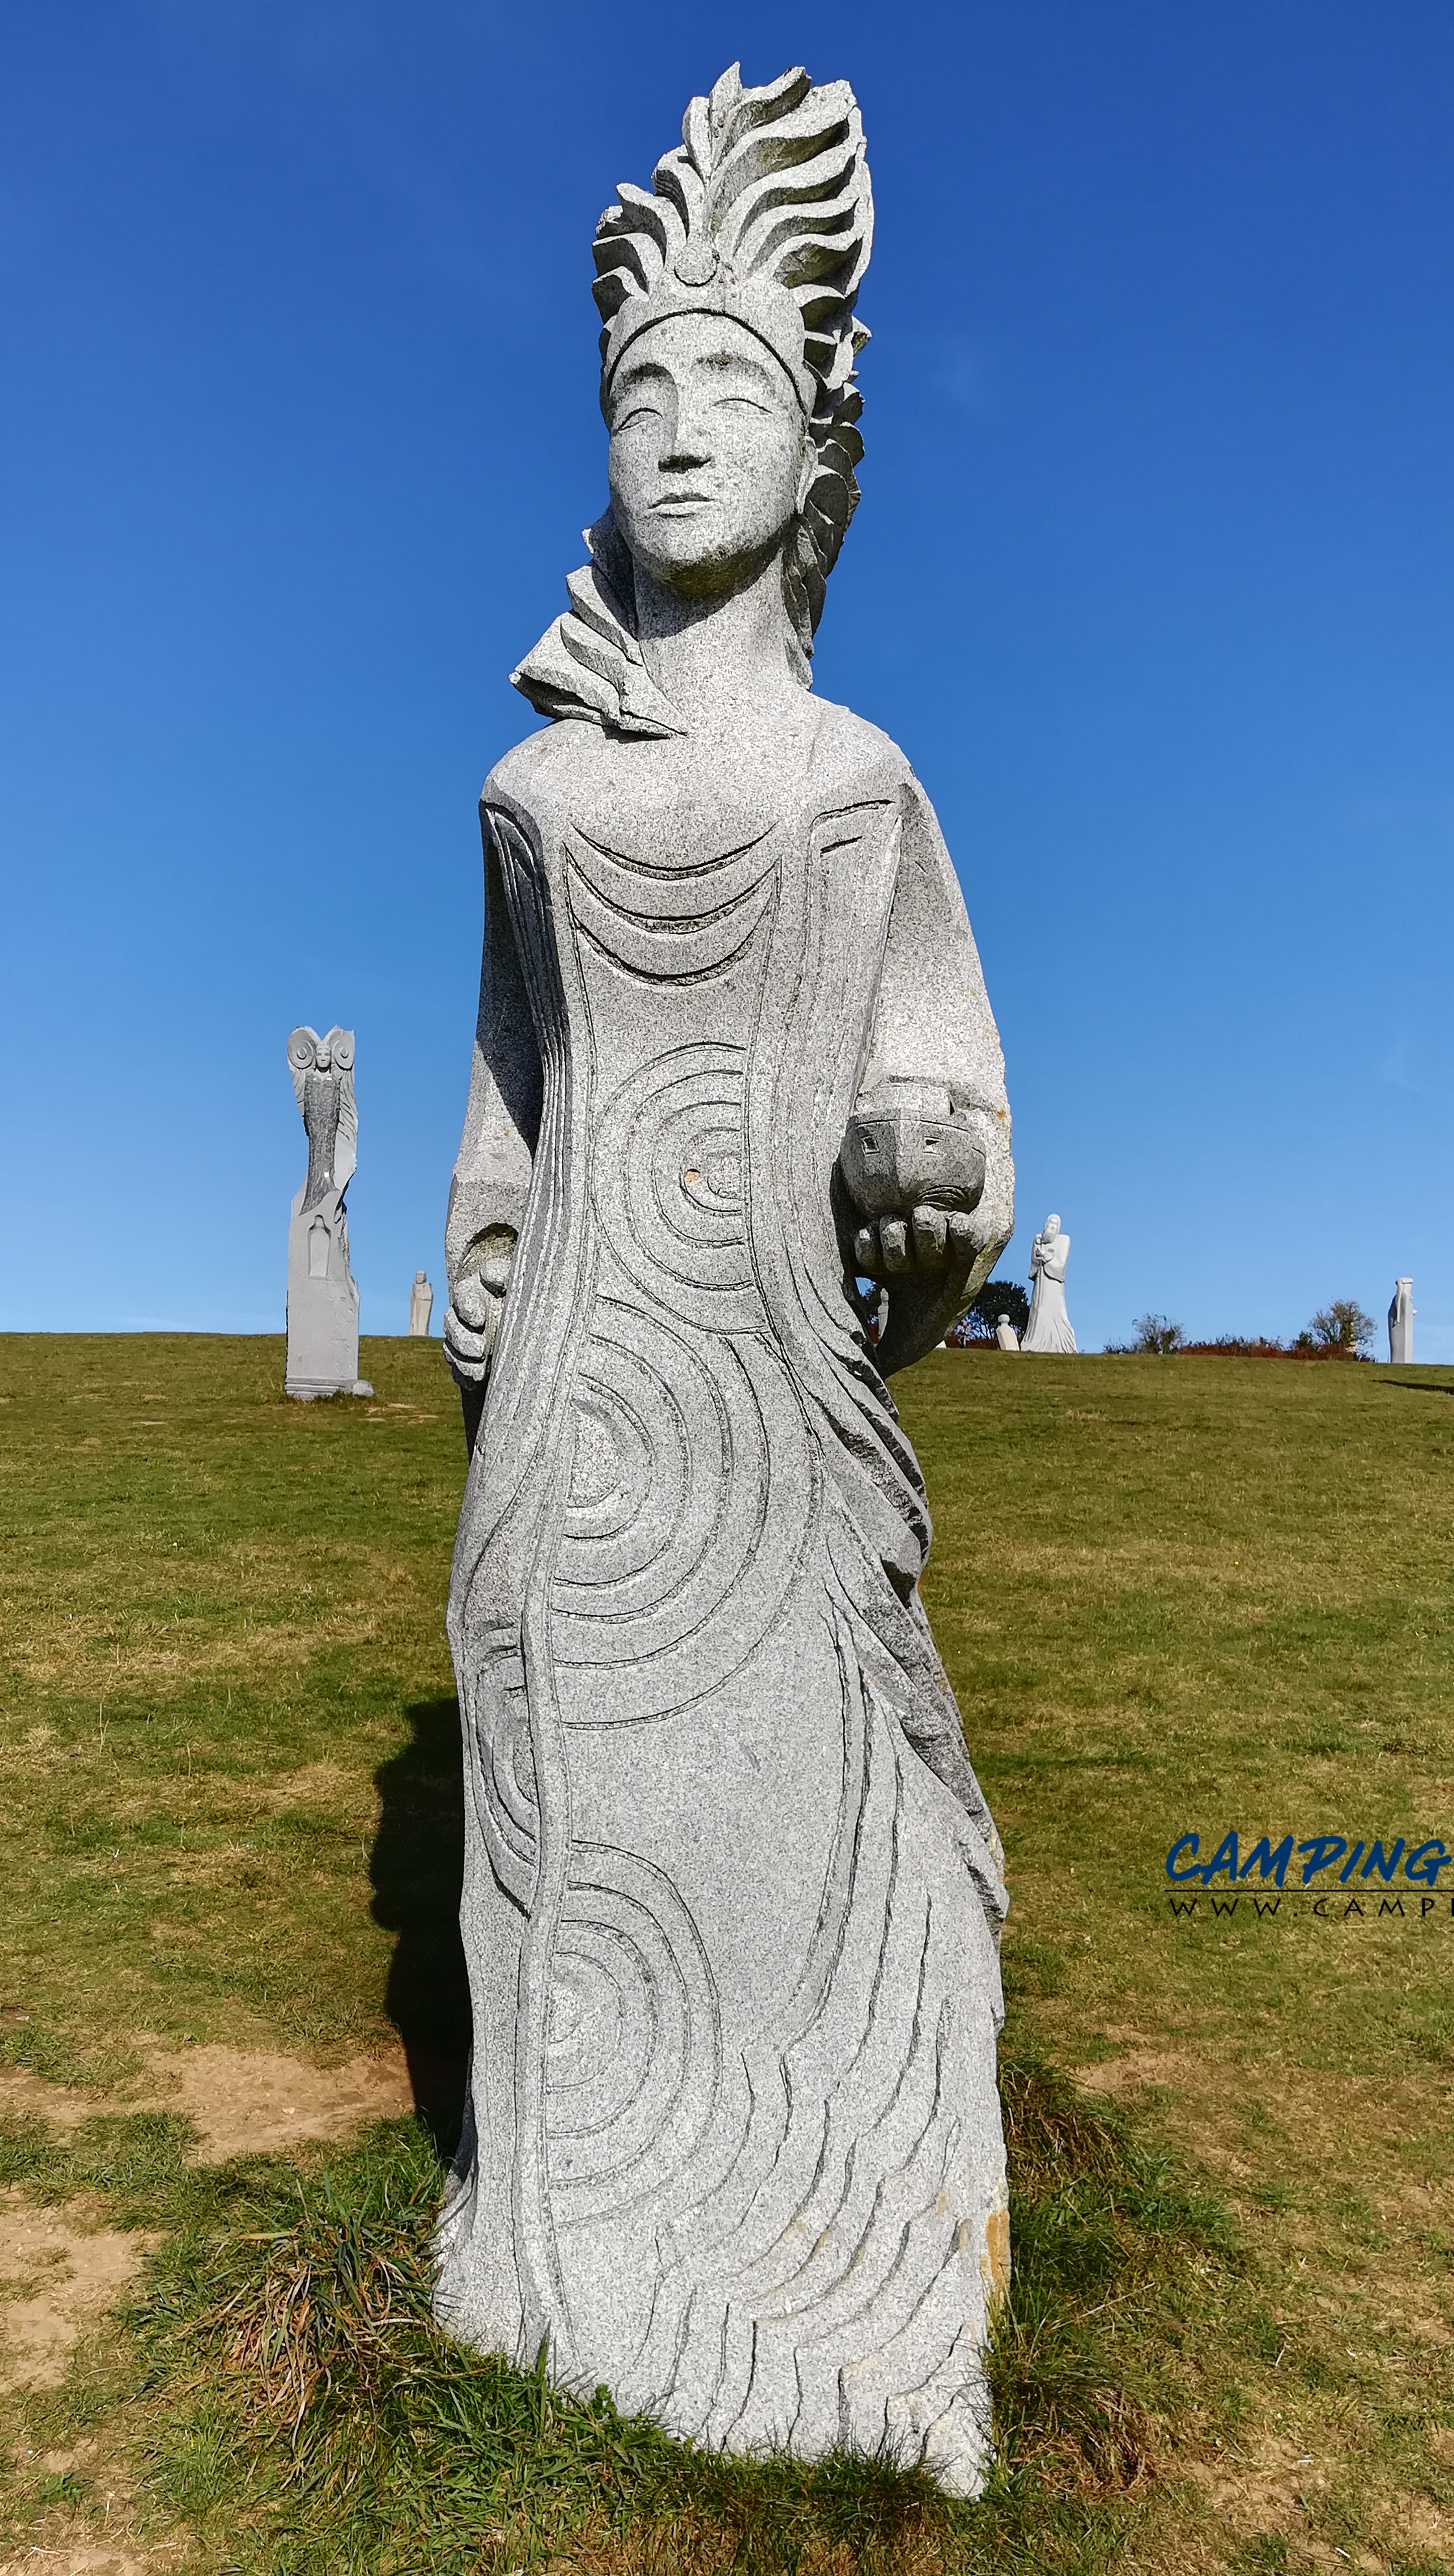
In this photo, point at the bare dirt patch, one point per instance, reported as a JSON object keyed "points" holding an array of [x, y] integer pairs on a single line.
{"points": [[242, 2101], [24, 2096], [249, 2101], [56, 2280]]}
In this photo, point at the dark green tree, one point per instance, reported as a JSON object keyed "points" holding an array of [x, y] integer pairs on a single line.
{"points": [[997, 1297]]}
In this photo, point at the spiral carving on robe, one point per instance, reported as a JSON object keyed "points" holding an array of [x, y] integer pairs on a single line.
{"points": [[634, 2049]]}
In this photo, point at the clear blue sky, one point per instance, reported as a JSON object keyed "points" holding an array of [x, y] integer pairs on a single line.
{"points": [[1153, 579]]}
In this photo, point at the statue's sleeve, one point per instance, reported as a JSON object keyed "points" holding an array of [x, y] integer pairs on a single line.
{"points": [[502, 1120], [933, 1023], [933, 1039]]}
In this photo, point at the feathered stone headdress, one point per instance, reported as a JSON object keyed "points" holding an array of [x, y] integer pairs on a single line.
{"points": [[764, 213]]}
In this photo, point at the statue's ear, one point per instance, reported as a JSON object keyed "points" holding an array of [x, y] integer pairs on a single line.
{"points": [[807, 471]]}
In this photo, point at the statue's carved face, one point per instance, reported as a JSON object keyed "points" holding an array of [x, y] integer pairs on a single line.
{"points": [[707, 463]]}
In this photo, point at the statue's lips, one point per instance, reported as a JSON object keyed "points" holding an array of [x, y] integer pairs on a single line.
{"points": [[674, 501]]}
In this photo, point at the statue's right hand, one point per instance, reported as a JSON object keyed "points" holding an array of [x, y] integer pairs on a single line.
{"points": [[472, 1317], [467, 1347]]}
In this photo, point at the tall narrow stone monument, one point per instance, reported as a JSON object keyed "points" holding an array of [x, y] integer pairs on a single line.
{"points": [[421, 1304], [732, 1893], [322, 1298], [1401, 1324]]}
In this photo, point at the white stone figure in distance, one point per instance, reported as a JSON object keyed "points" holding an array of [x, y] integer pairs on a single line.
{"points": [[322, 1297], [1049, 1325], [1401, 1324], [421, 1304], [1005, 1334], [732, 1893]]}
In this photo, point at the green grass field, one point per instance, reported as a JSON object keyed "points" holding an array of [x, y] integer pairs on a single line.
{"points": [[1173, 1596]]}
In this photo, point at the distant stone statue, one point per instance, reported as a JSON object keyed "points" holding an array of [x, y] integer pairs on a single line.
{"points": [[322, 1298], [732, 1892], [421, 1304], [1049, 1326], [1005, 1334], [1401, 1324]]}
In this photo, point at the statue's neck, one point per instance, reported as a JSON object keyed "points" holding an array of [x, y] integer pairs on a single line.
{"points": [[721, 660]]}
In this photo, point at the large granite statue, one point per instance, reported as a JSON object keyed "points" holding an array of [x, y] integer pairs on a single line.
{"points": [[1401, 1324], [1049, 1327], [322, 1298], [732, 1895]]}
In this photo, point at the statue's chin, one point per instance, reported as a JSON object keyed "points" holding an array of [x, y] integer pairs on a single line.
{"points": [[697, 563]]}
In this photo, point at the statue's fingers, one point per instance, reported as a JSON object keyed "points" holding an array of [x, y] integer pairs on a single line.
{"points": [[865, 1250], [470, 1302], [929, 1237], [961, 1239], [894, 1236]]}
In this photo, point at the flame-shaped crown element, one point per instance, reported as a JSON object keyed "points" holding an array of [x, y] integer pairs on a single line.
{"points": [[764, 213]]}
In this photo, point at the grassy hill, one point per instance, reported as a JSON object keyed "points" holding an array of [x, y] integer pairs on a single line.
{"points": [[1175, 1597]]}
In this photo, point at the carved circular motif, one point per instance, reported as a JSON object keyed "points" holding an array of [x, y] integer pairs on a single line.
{"points": [[633, 2048]]}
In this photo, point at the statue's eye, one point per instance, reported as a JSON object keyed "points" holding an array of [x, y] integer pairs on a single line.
{"points": [[637, 406]]}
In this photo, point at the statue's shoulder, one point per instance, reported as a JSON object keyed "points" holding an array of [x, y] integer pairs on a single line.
{"points": [[537, 776], [853, 757]]}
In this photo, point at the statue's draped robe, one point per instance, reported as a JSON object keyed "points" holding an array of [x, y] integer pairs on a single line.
{"points": [[732, 1893], [1049, 1327], [321, 1102]]}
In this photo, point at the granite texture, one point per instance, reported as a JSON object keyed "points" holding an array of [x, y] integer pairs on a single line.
{"points": [[1401, 1315], [421, 1305], [1049, 1327], [1005, 1334], [322, 1298], [732, 1893]]}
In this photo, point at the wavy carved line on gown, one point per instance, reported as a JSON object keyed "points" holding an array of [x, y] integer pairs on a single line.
{"points": [[502, 1767], [715, 2227], [550, 1285], [535, 1357], [665, 890], [669, 935], [800, 1264], [839, 2237]]}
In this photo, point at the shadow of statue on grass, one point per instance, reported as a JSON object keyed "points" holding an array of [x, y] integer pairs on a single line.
{"points": [[415, 1869]]}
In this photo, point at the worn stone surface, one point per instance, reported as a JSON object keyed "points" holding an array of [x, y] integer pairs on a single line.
{"points": [[1401, 1324], [1049, 1328], [322, 1298], [732, 1893], [421, 1304], [1005, 1334]]}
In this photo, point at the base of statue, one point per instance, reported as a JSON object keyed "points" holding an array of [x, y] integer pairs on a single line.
{"points": [[322, 1305]]}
